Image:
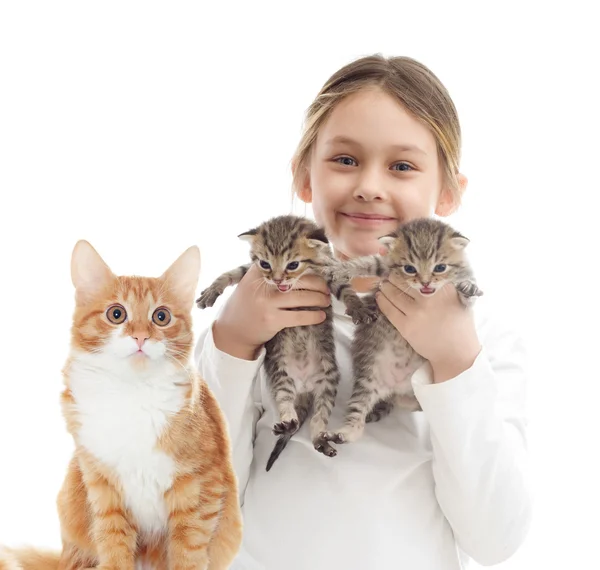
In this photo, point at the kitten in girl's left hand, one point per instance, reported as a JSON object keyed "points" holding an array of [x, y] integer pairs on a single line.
{"points": [[151, 482], [426, 254]]}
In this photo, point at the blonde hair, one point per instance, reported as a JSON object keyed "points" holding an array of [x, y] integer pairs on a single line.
{"points": [[412, 84]]}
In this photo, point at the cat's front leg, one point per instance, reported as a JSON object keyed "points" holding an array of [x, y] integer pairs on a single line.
{"points": [[468, 291], [114, 535], [195, 503], [215, 289]]}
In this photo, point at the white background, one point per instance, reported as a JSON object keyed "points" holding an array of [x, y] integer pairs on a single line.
{"points": [[146, 128]]}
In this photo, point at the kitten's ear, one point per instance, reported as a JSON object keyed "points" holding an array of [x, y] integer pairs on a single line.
{"points": [[89, 273], [458, 241], [249, 235], [182, 276], [317, 238], [387, 241]]}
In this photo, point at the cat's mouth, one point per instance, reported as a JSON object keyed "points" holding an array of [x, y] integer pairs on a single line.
{"points": [[283, 287], [426, 290]]}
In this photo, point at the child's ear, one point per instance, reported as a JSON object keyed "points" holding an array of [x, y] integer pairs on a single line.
{"points": [[302, 183], [449, 201]]}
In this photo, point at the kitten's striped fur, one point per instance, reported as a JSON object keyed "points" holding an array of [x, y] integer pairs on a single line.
{"points": [[300, 362], [383, 362]]}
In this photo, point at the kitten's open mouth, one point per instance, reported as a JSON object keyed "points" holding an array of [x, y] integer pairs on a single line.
{"points": [[283, 288], [427, 290]]}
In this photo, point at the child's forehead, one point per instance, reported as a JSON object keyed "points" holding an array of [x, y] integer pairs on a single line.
{"points": [[373, 118]]}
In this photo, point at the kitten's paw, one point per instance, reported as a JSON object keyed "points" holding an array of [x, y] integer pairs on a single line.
{"points": [[289, 427], [335, 437], [361, 314], [321, 444], [207, 298]]}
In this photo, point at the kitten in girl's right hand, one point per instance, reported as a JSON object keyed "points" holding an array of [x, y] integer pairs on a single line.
{"points": [[300, 361]]}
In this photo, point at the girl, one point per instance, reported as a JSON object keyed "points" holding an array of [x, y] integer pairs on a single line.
{"points": [[421, 490]]}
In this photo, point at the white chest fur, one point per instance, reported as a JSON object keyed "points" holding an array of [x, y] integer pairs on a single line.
{"points": [[122, 415]]}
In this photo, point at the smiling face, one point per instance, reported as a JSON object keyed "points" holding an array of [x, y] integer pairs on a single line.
{"points": [[141, 322], [373, 165]]}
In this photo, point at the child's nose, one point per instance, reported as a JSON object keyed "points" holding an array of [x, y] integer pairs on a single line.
{"points": [[370, 186]]}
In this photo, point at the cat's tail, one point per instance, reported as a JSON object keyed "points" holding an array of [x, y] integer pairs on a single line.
{"points": [[28, 559], [279, 447]]}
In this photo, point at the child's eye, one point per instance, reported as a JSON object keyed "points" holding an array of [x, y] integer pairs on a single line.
{"points": [[345, 160], [439, 268], [265, 264], [411, 269], [402, 167], [293, 265]]}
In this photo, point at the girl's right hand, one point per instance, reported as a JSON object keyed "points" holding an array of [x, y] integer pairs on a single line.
{"points": [[255, 312]]}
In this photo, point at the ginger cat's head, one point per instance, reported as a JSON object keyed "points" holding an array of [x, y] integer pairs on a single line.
{"points": [[144, 322], [427, 253]]}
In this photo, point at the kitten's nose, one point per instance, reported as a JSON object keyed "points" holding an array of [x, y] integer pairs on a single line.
{"points": [[277, 281], [425, 283], [140, 339]]}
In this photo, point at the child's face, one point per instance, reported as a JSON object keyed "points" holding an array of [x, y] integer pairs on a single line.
{"points": [[372, 166]]}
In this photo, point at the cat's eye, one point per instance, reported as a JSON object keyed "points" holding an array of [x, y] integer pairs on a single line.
{"points": [[410, 269], [440, 268], [293, 265], [161, 317], [265, 264], [116, 314]]}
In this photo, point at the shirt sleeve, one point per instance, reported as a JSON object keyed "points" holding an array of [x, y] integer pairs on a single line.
{"points": [[232, 381], [478, 434]]}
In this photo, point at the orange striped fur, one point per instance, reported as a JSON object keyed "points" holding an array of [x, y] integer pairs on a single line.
{"points": [[151, 480]]}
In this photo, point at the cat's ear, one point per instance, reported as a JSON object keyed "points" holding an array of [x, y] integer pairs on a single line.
{"points": [[458, 241], [387, 241], [89, 273], [317, 238], [183, 274], [249, 235]]}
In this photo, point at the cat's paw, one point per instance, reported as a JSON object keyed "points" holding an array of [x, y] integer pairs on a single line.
{"points": [[321, 444], [334, 436], [361, 314], [289, 427], [207, 298]]}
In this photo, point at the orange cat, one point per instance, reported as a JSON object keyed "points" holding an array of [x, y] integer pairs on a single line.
{"points": [[150, 484]]}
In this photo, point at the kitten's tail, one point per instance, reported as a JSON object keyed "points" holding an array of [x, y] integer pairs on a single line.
{"points": [[28, 559], [279, 447]]}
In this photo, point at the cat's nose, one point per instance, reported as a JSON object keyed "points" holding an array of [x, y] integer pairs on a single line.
{"points": [[140, 339], [277, 281], [425, 283]]}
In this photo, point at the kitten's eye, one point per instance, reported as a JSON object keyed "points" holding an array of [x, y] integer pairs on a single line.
{"points": [[410, 269], [161, 317], [265, 264], [293, 265], [402, 167], [439, 268], [116, 314], [345, 160]]}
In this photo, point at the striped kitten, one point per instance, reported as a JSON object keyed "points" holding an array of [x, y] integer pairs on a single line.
{"points": [[300, 362], [426, 254]]}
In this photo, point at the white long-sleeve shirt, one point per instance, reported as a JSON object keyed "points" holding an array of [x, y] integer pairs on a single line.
{"points": [[419, 490]]}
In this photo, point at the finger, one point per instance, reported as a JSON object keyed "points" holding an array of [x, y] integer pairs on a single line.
{"points": [[401, 284], [393, 314], [295, 299], [397, 297], [303, 318], [312, 282]]}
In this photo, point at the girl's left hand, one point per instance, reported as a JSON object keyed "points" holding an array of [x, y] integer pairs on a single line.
{"points": [[440, 328]]}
